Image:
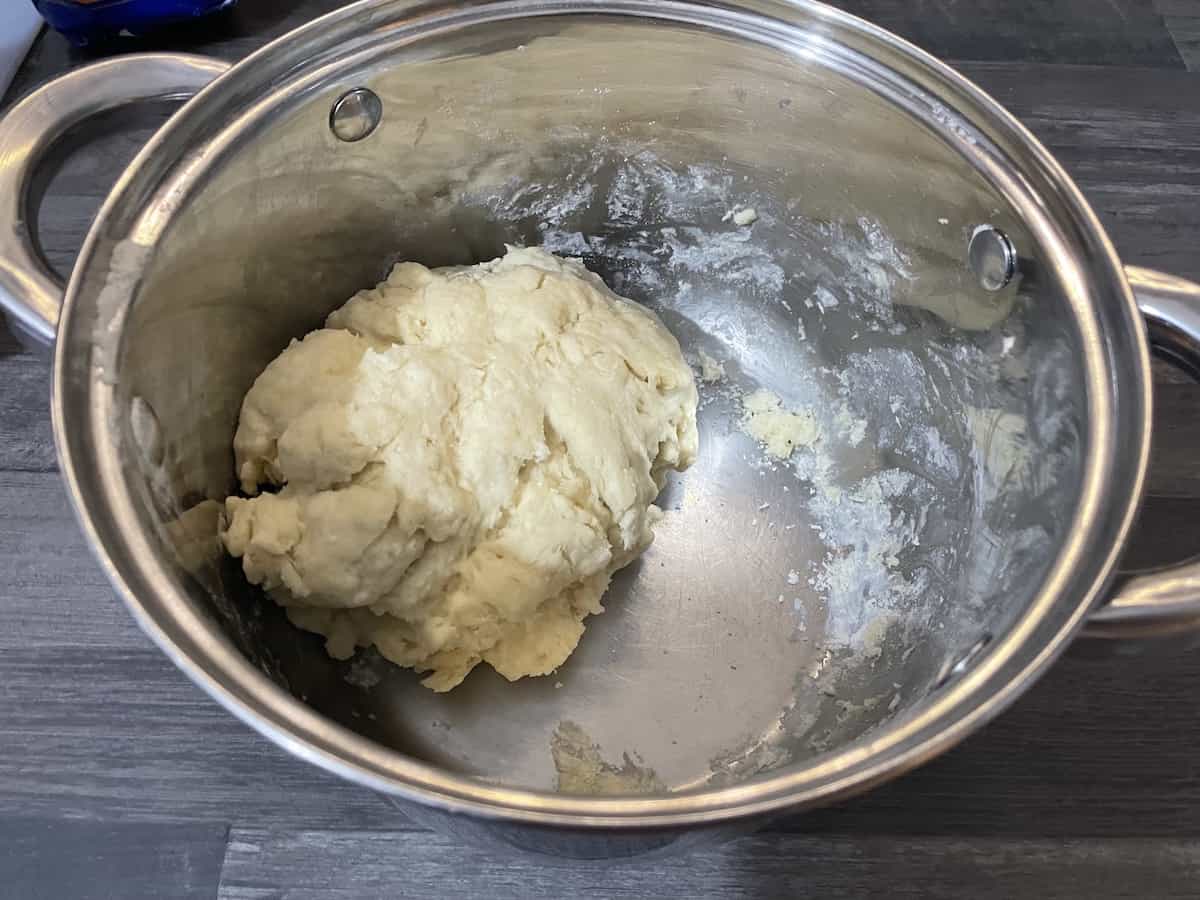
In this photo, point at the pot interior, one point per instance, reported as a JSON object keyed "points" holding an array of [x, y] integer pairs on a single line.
{"points": [[787, 609]]}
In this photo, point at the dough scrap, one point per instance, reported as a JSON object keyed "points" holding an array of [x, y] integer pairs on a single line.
{"points": [[582, 770], [465, 456], [778, 429], [711, 369]]}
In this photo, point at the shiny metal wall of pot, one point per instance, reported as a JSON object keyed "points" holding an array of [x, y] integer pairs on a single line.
{"points": [[437, 132]]}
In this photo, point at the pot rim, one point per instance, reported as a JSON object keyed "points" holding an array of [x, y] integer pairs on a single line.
{"points": [[93, 470]]}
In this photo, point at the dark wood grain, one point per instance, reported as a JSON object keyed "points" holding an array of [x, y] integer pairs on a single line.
{"points": [[1182, 20], [1174, 472], [119, 778], [344, 864], [53, 593], [1129, 138], [56, 859], [1115, 32], [26, 438]]}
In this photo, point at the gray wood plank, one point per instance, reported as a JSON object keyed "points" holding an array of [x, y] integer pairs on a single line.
{"points": [[26, 438], [121, 736], [298, 865], [1166, 533], [1097, 748], [1174, 469], [1114, 33], [116, 730], [58, 859], [1182, 19], [53, 593], [1129, 138]]}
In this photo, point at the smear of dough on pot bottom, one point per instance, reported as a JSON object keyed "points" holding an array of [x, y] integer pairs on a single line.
{"points": [[465, 456]]}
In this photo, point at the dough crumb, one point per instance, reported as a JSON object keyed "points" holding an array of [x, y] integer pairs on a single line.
{"points": [[582, 770], [745, 216], [711, 370], [741, 215], [463, 458], [779, 430]]}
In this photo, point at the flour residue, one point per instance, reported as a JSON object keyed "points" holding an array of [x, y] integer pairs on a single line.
{"points": [[862, 377], [729, 257], [1004, 446], [661, 223], [582, 769], [866, 528], [363, 670]]}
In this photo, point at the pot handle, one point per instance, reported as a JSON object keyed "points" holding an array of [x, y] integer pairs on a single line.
{"points": [[31, 294], [1165, 602]]}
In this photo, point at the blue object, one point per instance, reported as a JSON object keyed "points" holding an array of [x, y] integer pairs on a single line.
{"points": [[84, 23]]}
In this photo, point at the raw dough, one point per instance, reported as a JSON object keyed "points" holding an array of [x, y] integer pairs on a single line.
{"points": [[467, 455], [779, 430], [582, 770], [746, 216], [711, 369]]}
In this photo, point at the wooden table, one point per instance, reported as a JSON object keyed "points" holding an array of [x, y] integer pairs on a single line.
{"points": [[120, 779]]}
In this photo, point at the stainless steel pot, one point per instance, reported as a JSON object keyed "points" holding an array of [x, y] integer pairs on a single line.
{"points": [[917, 272]]}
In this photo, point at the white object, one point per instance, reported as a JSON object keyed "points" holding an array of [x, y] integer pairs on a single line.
{"points": [[747, 216], [19, 24], [468, 455]]}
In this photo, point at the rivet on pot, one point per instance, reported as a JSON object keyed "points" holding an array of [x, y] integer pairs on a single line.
{"points": [[991, 256], [355, 114], [960, 665]]}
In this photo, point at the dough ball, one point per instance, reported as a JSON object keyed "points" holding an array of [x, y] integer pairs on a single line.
{"points": [[464, 456]]}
